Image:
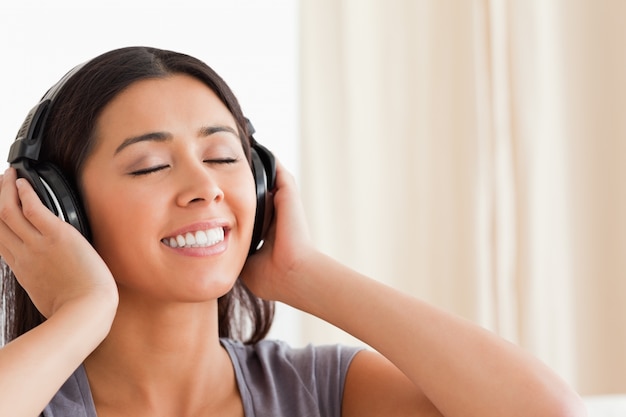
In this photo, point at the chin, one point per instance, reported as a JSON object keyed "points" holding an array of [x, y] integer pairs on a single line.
{"points": [[205, 288]]}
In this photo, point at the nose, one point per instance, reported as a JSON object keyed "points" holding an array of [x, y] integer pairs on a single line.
{"points": [[197, 184]]}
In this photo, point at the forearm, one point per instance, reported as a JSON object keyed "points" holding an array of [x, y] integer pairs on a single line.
{"points": [[463, 369], [34, 366]]}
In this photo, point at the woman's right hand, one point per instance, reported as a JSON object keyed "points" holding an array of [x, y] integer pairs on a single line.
{"points": [[70, 285], [51, 260]]}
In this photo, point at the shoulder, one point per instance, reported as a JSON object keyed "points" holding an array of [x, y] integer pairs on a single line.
{"points": [[376, 387], [275, 377]]}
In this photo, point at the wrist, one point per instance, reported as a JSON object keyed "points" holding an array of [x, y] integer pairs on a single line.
{"points": [[310, 282], [89, 317]]}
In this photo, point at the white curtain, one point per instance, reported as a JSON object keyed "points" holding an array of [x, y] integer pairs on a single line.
{"points": [[473, 153]]}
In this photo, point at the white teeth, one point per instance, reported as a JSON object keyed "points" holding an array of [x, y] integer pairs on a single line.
{"points": [[201, 238]]}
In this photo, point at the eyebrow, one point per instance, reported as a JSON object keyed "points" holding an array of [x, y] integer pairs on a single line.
{"points": [[152, 136], [209, 130], [165, 136]]}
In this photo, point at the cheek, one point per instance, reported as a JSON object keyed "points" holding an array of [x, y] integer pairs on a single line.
{"points": [[242, 198], [115, 217]]}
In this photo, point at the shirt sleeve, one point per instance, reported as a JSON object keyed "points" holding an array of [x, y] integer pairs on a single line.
{"points": [[73, 399]]}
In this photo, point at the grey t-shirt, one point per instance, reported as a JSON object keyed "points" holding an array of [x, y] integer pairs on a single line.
{"points": [[273, 379]]}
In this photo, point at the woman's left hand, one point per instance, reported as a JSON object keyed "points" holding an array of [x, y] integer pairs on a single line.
{"points": [[267, 272]]}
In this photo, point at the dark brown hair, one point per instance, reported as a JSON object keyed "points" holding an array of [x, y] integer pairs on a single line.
{"points": [[69, 139]]}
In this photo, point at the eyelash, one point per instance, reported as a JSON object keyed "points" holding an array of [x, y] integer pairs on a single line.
{"points": [[151, 170]]}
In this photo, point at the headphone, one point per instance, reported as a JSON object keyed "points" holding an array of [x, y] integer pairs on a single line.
{"points": [[59, 196]]}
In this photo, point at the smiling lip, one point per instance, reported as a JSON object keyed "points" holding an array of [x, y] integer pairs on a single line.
{"points": [[199, 236]]}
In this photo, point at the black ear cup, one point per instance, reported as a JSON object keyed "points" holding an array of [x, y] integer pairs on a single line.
{"points": [[68, 204], [264, 170], [55, 192]]}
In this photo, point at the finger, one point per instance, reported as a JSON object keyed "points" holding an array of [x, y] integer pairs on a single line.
{"points": [[10, 211], [286, 195], [6, 254], [8, 240], [283, 176], [34, 211]]}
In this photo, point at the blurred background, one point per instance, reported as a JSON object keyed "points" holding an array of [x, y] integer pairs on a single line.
{"points": [[469, 152]]}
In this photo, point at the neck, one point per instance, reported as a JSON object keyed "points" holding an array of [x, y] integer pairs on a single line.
{"points": [[158, 353]]}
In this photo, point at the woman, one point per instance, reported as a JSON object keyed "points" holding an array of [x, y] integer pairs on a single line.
{"points": [[164, 312]]}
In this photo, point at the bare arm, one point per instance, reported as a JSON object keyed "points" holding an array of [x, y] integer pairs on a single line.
{"points": [[34, 366], [69, 284], [462, 369], [438, 364]]}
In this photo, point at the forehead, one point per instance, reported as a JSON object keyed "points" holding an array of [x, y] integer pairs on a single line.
{"points": [[172, 103]]}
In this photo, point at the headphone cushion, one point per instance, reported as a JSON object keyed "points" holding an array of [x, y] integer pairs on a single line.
{"points": [[264, 170], [66, 202]]}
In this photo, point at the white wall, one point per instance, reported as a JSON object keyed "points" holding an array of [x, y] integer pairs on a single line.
{"points": [[252, 44]]}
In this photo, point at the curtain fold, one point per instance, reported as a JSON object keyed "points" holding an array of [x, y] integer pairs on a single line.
{"points": [[472, 153]]}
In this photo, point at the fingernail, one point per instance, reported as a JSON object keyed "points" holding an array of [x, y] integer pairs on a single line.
{"points": [[20, 182]]}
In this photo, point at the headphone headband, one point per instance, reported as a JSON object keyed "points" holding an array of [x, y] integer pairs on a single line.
{"points": [[27, 143]]}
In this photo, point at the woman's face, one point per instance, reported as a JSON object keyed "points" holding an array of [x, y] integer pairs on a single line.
{"points": [[168, 191]]}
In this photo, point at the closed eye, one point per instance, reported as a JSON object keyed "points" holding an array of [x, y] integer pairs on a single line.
{"points": [[157, 168], [224, 161], [150, 170]]}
